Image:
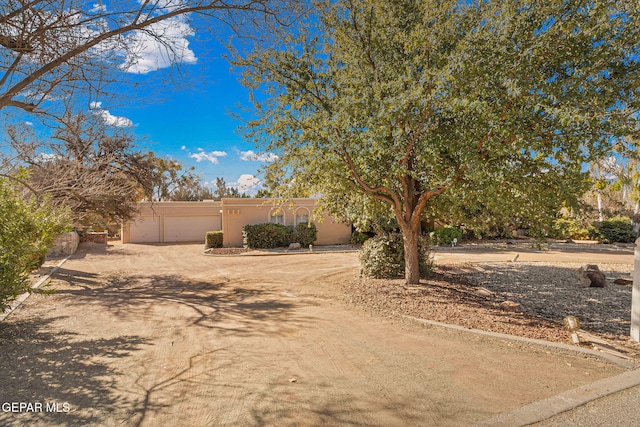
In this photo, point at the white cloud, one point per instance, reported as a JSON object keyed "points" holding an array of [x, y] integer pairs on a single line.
{"points": [[247, 183], [250, 155], [46, 157], [28, 123], [98, 8], [184, 147], [107, 117], [160, 46], [211, 156]]}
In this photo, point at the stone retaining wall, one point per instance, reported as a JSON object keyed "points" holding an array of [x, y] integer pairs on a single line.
{"points": [[66, 244]]}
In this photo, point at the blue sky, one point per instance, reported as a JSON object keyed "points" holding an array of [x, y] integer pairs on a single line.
{"points": [[184, 111], [193, 122]]}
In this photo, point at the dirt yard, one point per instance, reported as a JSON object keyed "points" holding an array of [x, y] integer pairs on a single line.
{"points": [[146, 335]]}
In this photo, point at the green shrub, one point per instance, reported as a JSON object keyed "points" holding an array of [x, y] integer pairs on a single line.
{"points": [[565, 228], [27, 229], [358, 237], [266, 236], [382, 257], [614, 230], [305, 234], [445, 235], [213, 239]]}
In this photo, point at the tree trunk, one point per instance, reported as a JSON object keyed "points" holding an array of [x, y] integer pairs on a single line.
{"points": [[411, 255], [635, 217], [600, 212]]}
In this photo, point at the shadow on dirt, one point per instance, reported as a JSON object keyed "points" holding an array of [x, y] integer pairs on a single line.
{"points": [[220, 378], [224, 305], [329, 408], [41, 364], [86, 248]]}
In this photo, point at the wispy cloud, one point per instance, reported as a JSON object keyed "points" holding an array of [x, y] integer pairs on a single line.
{"points": [[211, 156], [108, 118], [159, 46], [250, 155], [98, 8]]}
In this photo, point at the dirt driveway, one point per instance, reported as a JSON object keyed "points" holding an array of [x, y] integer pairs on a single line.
{"points": [[142, 335]]}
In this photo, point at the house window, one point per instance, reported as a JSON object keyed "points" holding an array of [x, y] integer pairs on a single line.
{"points": [[276, 216], [277, 219], [302, 216]]}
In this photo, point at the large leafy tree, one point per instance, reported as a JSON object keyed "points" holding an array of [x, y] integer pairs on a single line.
{"points": [[467, 109], [168, 180]]}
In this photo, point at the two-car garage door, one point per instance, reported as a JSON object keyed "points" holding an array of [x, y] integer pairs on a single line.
{"points": [[157, 229]]}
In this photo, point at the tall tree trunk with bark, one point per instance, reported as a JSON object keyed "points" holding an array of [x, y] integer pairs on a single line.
{"points": [[410, 239]]}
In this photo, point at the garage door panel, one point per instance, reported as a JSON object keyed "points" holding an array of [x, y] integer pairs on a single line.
{"points": [[145, 230], [190, 229]]}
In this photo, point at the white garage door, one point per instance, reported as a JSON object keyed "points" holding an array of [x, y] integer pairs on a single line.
{"points": [[145, 230], [190, 229]]}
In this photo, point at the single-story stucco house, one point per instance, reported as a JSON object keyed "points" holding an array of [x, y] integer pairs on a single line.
{"points": [[165, 222]]}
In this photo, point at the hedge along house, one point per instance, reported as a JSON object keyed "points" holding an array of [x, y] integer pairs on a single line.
{"points": [[170, 222]]}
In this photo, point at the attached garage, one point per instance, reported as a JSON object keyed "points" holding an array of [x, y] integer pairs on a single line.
{"points": [[170, 222], [190, 229], [145, 229]]}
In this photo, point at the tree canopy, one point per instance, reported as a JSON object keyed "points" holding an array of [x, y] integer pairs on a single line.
{"points": [[447, 109]]}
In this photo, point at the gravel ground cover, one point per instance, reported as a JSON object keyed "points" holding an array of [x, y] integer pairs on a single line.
{"points": [[483, 296]]}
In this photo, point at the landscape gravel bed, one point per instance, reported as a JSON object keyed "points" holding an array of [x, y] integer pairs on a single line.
{"points": [[553, 291], [523, 299]]}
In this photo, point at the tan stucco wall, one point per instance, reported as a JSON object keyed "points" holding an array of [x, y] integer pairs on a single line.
{"points": [[231, 215], [240, 212]]}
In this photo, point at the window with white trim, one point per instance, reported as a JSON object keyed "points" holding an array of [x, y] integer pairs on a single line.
{"points": [[276, 216], [302, 216]]}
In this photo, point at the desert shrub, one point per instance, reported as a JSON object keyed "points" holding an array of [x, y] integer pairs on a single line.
{"points": [[445, 235], [305, 234], [565, 228], [27, 229], [266, 236], [382, 257], [614, 230], [213, 239]]}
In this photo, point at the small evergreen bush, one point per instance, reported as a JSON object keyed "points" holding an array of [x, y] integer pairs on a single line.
{"points": [[565, 228], [614, 230], [382, 257], [445, 235], [27, 230], [305, 234], [213, 239], [266, 236]]}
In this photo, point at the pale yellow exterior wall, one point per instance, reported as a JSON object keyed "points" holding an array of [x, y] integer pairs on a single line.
{"points": [[169, 221], [240, 212]]}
